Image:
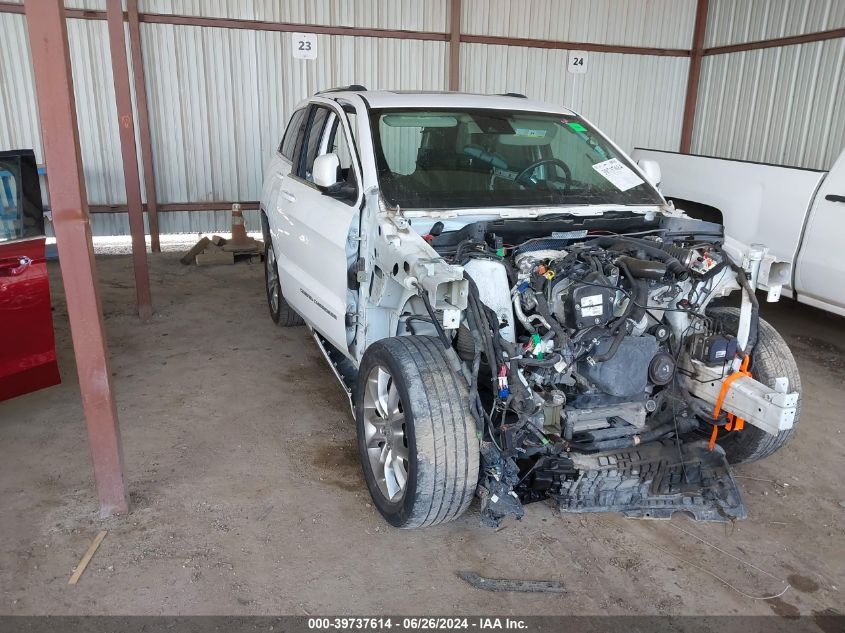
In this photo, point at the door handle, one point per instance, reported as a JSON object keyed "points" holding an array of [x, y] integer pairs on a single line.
{"points": [[14, 266], [834, 198], [287, 195]]}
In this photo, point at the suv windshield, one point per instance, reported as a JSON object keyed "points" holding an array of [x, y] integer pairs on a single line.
{"points": [[479, 158]]}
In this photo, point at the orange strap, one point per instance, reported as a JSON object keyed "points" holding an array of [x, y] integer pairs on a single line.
{"points": [[734, 423]]}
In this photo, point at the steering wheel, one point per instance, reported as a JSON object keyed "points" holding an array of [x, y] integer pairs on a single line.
{"points": [[543, 161]]}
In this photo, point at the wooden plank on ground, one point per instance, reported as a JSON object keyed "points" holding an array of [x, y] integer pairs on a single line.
{"points": [[80, 568], [215, 258], [198, 248]]}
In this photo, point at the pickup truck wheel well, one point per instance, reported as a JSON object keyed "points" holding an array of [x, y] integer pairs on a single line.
{"points": [[698, 210]]}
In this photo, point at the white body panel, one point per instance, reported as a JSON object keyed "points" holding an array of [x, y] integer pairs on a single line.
{"points": [[310, 232], [782, 207], [821, 268], [493, 290], [311, 255]]}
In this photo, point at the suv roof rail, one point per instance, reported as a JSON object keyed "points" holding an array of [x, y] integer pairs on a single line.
{"points": [[349, 88], [513, 94]]}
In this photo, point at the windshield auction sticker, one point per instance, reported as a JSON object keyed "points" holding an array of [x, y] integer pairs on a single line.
{"points": [[619, 174]]}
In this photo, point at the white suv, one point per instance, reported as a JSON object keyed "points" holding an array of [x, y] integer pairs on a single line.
{"points": [[516, 312]]}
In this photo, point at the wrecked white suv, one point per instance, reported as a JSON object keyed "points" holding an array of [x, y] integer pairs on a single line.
{"points": [[516, 312]]}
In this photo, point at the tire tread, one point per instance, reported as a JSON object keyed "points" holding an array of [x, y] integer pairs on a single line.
{"points": [[444, 430]]}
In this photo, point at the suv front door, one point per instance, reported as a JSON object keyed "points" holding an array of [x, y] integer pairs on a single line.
{"points": [[27, 349], [313, 256]]}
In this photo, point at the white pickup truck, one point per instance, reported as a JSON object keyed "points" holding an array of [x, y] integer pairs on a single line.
{"points": [[799, 214]]}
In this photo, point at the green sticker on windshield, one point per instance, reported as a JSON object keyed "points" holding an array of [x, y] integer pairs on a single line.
{"points": [[577, 126]]}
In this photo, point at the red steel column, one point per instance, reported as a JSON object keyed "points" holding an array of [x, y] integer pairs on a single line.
{"points": [[45, 20], [129, 152], [143, 123], [696, 54], [455, 46]]}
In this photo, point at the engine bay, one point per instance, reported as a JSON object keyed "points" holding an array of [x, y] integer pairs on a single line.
{"points": [[575, 345]]}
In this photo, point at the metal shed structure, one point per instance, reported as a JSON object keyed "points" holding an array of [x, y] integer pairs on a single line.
{"points": [[184, 124], [219, 80]]}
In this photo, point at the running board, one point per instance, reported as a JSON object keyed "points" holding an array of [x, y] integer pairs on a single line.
{"points": [[342, 368], [654, 481]]}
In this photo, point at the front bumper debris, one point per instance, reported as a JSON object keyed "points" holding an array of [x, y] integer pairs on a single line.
{"points": [[654, 481]]}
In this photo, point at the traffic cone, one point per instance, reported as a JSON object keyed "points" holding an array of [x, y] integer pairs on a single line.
{"points": [[240, 242], [238, 226]]}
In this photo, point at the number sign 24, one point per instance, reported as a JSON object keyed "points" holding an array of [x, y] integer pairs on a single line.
{"points": [[577, 62]]}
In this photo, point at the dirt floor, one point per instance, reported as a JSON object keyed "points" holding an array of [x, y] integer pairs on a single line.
{"points": [[247, 496]]}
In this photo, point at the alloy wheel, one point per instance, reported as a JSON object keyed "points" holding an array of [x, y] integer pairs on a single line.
{"points": [[384, 434]]}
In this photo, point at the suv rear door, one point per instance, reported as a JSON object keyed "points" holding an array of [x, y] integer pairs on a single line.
{"points": [[27, 348], [280, 164]]}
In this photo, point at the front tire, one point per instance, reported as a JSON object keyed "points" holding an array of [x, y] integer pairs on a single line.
{"points": [[770, 359], [416, 438]]}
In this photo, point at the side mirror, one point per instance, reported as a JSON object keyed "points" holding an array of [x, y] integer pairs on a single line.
{"points": [[325, 170], [651, 170]]}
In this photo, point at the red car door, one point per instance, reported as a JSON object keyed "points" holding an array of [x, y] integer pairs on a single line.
{"points": [[27, 347]]}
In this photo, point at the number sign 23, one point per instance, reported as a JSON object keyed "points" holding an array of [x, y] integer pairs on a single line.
{"points": [[304, 45]]}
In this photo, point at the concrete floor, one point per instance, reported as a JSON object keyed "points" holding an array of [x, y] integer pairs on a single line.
{"points": [[247, 497]]}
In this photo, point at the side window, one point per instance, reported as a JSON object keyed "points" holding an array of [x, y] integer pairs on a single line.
{"points": [[339, 145], [21, 213], [352, 117], [295, 129], [311, 150]]}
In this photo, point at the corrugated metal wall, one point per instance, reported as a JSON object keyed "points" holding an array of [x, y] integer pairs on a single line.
{"points": [[95, 109], [635, 99], [657, 23], [638, 100], [411, 15], [219, 98], [18, 109], [232, 92], [738, 21], [778, 105], [96, 114]]}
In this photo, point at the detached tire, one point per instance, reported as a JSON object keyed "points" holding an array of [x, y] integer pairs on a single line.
{"points": [[770, 359], [281, 313], [416, 437]]}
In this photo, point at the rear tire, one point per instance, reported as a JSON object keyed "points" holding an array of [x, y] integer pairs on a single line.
{"points": [[770, 358], [281, 313], [416, 438]]}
